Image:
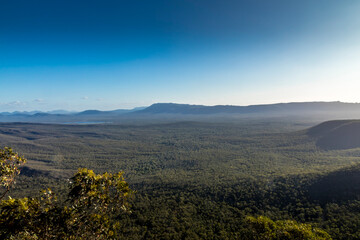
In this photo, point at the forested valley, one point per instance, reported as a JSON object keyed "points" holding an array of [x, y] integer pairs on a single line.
{"points": [[203, 180]]}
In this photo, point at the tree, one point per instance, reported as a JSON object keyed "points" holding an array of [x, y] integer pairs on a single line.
{"points": [[265, 229], [10, 164], [90, 211]]}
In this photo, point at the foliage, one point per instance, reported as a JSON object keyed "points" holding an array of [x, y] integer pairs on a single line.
{"points": [[10, 163], [94, 200], [263, 228], [89, 212]]}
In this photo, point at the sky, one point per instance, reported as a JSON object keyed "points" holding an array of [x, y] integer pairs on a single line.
{"points": [[113, 54]]}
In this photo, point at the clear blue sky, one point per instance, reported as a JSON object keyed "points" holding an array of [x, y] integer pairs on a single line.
{"points": [[77, 55]]}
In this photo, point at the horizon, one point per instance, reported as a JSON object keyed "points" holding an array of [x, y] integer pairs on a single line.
{"points": [[144, 107], [119, 55]]}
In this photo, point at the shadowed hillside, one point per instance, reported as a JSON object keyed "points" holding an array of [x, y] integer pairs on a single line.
{"points": [[332, 135], [337, 186]]}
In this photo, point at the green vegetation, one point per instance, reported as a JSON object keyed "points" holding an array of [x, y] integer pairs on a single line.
{"points": [[9, 168], [264, 228], [90, 211], [197, 180]]}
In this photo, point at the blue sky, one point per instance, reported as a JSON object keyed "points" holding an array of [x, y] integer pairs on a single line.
{"points": [[78, 55]]}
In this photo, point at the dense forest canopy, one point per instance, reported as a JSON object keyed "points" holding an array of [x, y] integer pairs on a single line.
{"points": [[202, 180]]}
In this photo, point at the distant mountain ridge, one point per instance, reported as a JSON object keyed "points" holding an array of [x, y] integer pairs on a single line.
{"points": [[64, 112], [173, 108], [27, 113], [321, 111]]}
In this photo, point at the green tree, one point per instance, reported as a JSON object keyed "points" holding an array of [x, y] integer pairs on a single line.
{"points": [[89, 212], [263, 228], [10, 163]]}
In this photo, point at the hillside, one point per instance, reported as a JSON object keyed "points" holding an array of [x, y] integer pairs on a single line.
{"points": [[337, 186], [342, 134]]}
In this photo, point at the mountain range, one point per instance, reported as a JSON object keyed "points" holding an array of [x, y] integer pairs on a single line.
{"points": [[324, 110], [172, 108]]}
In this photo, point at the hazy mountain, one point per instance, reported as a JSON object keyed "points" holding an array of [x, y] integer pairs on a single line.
{"points": [[91, 112], [172, 108], [112, 112], [61, 112], [36, 112], [317, 111], [65, 112]]}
